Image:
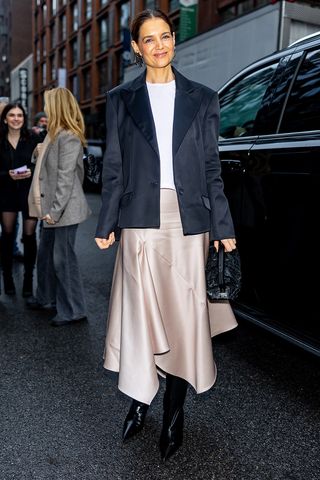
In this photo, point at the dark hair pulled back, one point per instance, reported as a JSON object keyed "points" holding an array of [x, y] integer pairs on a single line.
{"points": [[139, 20], [4, 127]]}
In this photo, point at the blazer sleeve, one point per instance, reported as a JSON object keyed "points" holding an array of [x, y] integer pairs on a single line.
{"points": [[112, 177], [221, 221], [69, 150]]}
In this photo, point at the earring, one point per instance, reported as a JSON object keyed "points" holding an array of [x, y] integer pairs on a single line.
{"points": [[138, 59]]}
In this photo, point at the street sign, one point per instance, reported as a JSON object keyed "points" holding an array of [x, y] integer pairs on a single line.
{"points": [[188, 26], [23, 88]]}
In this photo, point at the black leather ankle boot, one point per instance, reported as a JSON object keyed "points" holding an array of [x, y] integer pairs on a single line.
{"points": [[173, 416], [134, 421]]}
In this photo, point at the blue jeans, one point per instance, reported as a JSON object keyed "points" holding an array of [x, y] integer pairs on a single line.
{"points": [[58, 274]]}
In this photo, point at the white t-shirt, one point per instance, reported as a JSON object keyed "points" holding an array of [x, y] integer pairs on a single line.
{"points": [[162, 97]]}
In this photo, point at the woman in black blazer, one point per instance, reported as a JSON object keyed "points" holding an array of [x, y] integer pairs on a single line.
{"points": [[163, 192]]}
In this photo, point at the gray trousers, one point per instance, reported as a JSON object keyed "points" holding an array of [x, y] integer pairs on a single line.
{"points": [[58, 274]]}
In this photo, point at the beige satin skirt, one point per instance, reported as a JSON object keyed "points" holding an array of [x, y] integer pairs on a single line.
{"points": [[159, 318]]}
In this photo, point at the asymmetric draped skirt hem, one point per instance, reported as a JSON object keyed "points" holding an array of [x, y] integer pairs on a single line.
{"points": [[160, 321]]}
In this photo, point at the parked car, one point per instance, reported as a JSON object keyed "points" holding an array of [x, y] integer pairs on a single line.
{"points": [[93, 160], [270, 153]]}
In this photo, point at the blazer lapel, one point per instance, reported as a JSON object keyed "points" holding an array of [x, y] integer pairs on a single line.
{"points": [[137, 101], [187, 103]]}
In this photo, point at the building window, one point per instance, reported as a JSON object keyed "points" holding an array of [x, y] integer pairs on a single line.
{"points": [[103, 76], [63, 27], [124, 18], [233, 9], [53, 67], [88, 9], [174, 5], [103, 3], [44, 14], [36, 20], [74, 84], [53, 35], [86, 84], [44, 46], [53, 6], [103, 40], [75, 17], [87, 46], [63, 58], [74, 53], [37, 52], [150, 4], [44, 73]]}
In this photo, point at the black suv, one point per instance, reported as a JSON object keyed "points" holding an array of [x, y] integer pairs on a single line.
{"points": [[270, 153]]}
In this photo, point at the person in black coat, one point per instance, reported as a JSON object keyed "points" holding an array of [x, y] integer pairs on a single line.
{"points": [[16, 147], [163, 196]]}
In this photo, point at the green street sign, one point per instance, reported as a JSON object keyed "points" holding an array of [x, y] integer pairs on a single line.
{"points": [[188, 19]]}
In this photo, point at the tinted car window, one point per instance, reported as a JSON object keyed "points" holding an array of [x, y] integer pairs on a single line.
{"points": [[241, 101], [303, 108]]}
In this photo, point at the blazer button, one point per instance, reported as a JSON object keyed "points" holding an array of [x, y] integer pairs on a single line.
{"points": [[154, 183], [181, 191], [41, 194]]}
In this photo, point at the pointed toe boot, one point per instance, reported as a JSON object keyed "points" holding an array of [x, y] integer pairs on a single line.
{"points": [[134, 421], [172, 435], [173, 416]]}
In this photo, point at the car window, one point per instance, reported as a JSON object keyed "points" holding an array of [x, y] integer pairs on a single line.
{"points": [[240, 102], [302, 112]]}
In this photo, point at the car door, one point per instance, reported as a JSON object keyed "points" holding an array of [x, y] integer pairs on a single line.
{"points": [[283, 243], [241, 101]]}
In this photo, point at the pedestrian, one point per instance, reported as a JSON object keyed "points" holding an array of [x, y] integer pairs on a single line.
{"points": [[57, 197], [17, 254], [16, 147], [40, 124], [162, 189]]}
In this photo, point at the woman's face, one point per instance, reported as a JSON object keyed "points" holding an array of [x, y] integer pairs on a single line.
{"points": [[15, 119], [156, 43]]}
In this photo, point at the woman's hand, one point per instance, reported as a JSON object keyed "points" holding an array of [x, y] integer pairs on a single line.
{"points": [[228, 243], [104, 243], [38, 150], [20, 176], [48, 219]]}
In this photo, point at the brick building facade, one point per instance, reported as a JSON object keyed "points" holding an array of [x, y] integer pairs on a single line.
{"points": [[15, 38], [85, 44]]}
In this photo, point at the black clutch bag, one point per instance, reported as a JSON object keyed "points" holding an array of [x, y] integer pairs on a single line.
{"points": [[223, 274], [92, 169]]}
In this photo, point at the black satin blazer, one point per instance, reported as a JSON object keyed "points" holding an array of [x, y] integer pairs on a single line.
{"points": [[131, 166]]}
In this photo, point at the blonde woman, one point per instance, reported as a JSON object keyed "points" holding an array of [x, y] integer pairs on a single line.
{"points": [[57, 197]]}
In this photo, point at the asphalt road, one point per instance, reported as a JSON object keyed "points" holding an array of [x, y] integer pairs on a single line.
{"points": [[61, 414]]}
